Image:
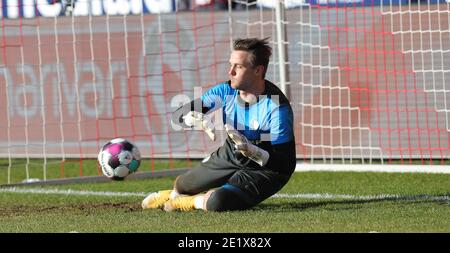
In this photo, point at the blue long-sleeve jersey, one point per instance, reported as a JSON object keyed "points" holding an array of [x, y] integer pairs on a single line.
{"points": [[267, 123], [270, 118]]}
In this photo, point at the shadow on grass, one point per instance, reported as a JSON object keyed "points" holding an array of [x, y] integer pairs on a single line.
{"points": [[12, 211], [300, 204]]}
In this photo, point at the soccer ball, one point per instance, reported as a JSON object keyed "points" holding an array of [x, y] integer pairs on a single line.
{"points": [[119, 158]]}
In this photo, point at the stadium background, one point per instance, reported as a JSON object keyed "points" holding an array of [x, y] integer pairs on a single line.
{"points": [[368, 80]]}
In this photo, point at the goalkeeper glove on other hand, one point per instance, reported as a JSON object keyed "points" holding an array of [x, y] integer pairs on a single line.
{"points": [[200, 121], [243, 145]]}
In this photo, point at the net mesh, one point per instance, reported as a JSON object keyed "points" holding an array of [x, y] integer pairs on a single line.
{"points": [[368, 81]]}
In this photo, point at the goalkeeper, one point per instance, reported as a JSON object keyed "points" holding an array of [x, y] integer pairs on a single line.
{"points": [[258, 156]]}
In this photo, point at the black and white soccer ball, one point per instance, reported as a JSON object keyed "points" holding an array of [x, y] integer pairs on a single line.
{"points": [[119, 158]]}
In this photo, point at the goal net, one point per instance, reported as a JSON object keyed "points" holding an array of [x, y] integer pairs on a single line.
{"points": [[367, 79]]}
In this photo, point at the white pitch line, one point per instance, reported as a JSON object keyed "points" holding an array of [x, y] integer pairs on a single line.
{"points": [[279, 195], [72, 192]]}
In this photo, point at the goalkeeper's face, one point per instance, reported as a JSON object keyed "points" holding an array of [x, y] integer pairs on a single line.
{"points": [[242, 74]]}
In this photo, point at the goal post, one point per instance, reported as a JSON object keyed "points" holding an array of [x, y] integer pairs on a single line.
{"points": [[368, 80]]}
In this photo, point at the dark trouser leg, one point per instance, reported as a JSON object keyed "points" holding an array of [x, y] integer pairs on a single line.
{"points": [[211, 174], [224, 199], [245, 189]]}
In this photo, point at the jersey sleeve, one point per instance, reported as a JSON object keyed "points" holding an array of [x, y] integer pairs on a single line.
{"points": [[281, 125], [210, 101], [282, 157], [282, 154]]}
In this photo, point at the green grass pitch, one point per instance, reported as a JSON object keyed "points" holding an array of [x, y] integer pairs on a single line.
{"points": [[310, 202]]}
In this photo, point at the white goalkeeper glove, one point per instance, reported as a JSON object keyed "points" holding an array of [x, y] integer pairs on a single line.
{"points": [[200, 121], [242, 144]]}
